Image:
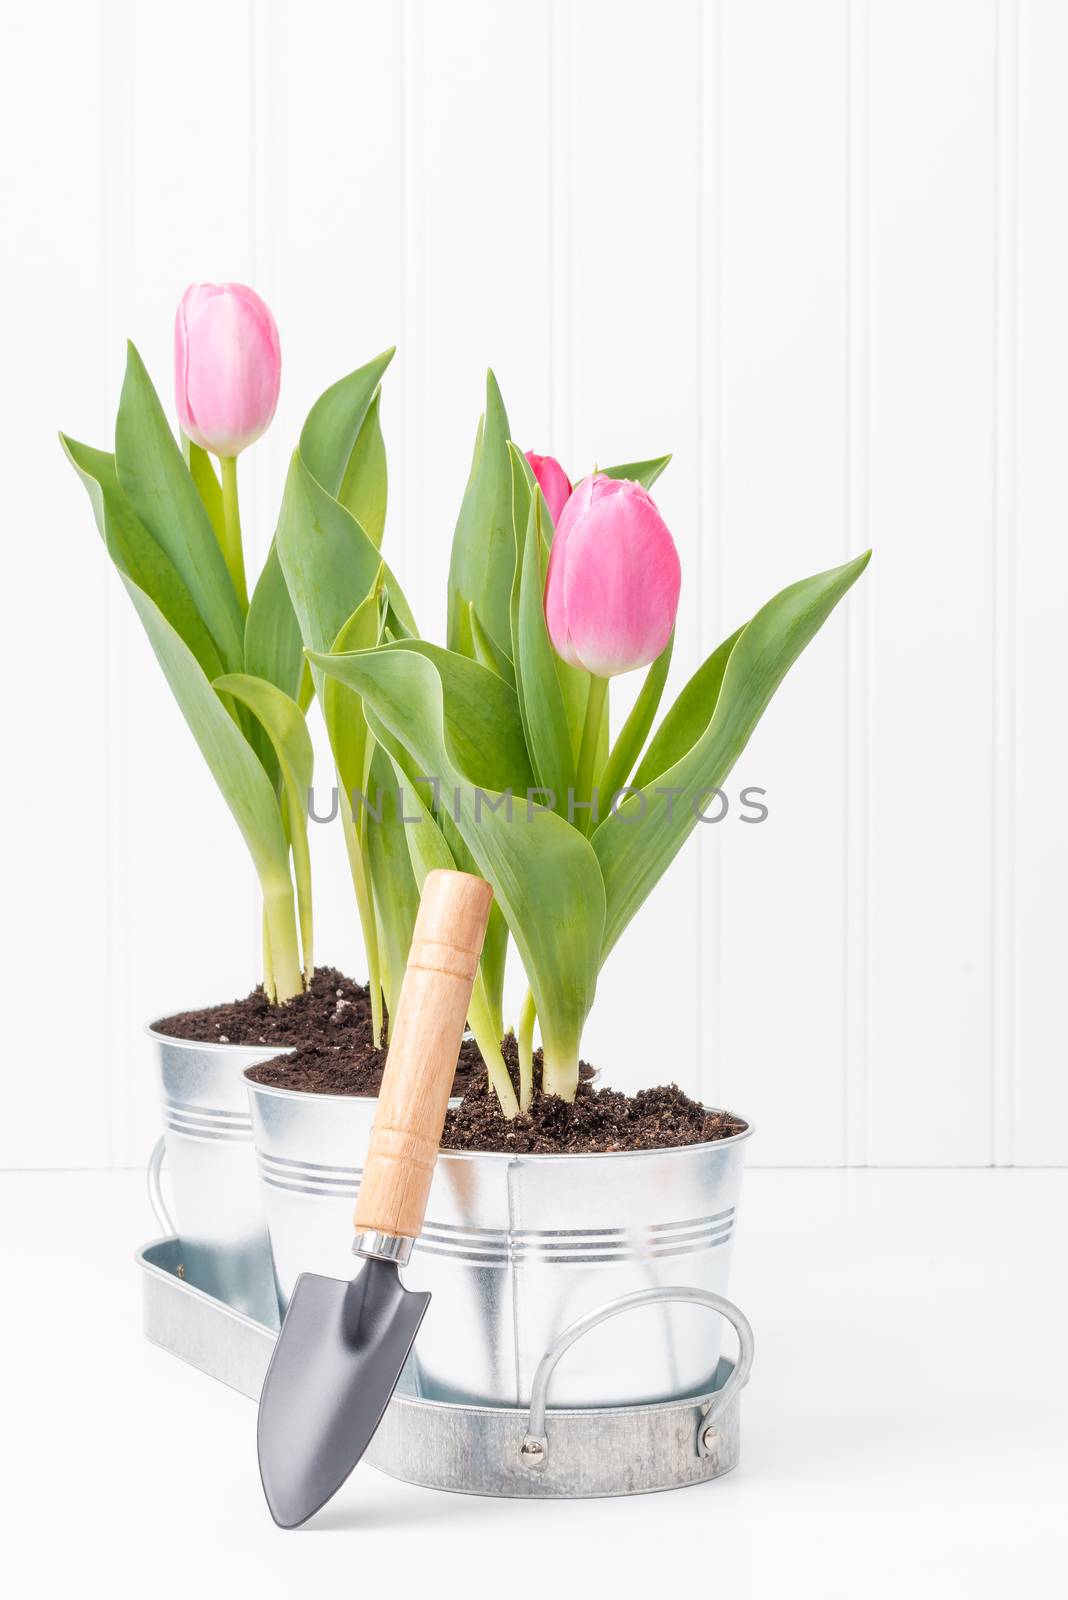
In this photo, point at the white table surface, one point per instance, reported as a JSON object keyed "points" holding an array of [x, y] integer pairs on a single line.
{"points": [[905, 1431]]}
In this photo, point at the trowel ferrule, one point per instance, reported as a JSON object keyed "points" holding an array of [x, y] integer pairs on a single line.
{"points": [[378, 1246]]}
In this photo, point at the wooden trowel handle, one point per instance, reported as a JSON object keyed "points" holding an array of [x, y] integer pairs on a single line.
{"points": [[424, 1045]]}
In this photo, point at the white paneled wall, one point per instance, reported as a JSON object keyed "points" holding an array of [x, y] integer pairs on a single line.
{"points": [[820, 252]]}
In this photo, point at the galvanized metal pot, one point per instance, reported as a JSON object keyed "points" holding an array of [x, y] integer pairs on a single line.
{"points": [[211, 1165], [310, 1150], [515, 1248]]}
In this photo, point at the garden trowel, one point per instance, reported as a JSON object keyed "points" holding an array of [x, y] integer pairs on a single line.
{"points": [[343, 1345]]}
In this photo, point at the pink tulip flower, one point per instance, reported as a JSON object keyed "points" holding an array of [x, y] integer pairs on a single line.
{"points": [[612, 589], [227, 366], [553, 481]]}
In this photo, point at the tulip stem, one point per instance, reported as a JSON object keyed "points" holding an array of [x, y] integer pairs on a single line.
{"points": [[231, 544], [268, 964], [525, 1042], [488, 1038], [365, 908], [559, 1073], [587, 761], [280, 915]]}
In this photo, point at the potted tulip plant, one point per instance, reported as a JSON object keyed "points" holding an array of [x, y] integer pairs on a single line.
{"points": [[233, 658], [550, 1196]]}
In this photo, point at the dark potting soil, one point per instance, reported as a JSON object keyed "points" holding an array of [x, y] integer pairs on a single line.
{"points": [[354, 1069], [597, 1122], [333, 1010], [357, 1069]]}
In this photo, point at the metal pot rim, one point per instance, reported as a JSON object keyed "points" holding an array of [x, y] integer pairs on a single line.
{"points": [[521, 1155], [267, 1051]]}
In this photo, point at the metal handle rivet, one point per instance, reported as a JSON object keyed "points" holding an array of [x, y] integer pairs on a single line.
{"points": [[533, 1451], [710, 1438]]}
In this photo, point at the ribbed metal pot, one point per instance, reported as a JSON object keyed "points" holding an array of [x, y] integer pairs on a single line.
{"points": [[211, 1165], [310, 1150], [515, 1248]]}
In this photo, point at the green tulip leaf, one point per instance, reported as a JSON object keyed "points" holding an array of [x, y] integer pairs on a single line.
{"points": [[164, 497], [543, 871], [574, 682], [365, 487], [137, 555], [636, 844], [434, 841], [233, 764], [493, 964], [273, 647], [429, 850], [524, 488], [283, 721], [482, 564], [208, 486], [643, 472], [457, 603], [352, 748], [634, 732], [541, 701], [331, 568], [688, 717], [329, 562], [332, 430], [343, 713], [495, 943], [392, 876], [485, 725], [485, 652], [307, 687]]}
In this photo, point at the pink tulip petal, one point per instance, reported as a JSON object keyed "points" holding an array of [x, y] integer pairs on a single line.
{"points": [[555, 609], [553, 481], [577, 505], [181, 366], [227, 366], [621, 582]]}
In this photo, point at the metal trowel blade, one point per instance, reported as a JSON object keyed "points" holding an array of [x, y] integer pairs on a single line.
{"points": [[334, 1368]]}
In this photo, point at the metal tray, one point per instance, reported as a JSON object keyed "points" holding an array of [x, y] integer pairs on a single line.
{"points": [[538, 1453]]}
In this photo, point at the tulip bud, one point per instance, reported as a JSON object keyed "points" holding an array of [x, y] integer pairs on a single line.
{"points": [[227, 366], [612, 589], [553, 481]]}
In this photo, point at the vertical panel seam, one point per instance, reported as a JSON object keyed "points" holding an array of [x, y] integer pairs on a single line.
{"points": [[262, 190], [711, 907], [550, 221], [703, 866], [1004, 582], [116, 27], [412, 245], [858, 690], [110, 1036], [561, 279]]}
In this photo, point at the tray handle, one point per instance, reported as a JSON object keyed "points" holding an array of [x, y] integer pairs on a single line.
{"points": [[155, 1188], [535, 1447]]}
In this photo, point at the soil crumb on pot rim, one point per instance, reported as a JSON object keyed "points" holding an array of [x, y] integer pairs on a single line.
{"points": [[597, 1122], [333, 1010]]}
